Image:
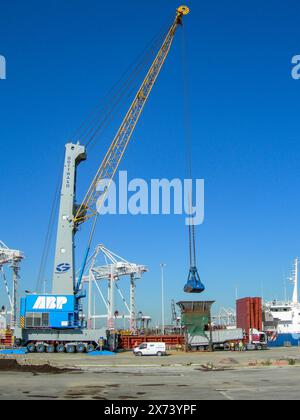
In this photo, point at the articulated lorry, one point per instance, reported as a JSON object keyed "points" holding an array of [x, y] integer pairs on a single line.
{"points": [[217, 339], [227, 339], [249, 318]]}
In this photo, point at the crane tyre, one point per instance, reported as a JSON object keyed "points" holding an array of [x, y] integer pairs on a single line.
{"points": [[18, 342], [40, 348], [60, 348], [80, 348], [90, 348], [31, 348], [50, 348]]}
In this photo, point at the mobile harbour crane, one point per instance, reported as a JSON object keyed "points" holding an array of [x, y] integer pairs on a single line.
{"points": [[55, 322]]}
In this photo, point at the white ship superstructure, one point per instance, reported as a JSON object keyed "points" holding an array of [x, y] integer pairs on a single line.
{"points": [[282, 318]]}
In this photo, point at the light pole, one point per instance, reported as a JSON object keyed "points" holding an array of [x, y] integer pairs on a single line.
{"points": [[162, 299]]}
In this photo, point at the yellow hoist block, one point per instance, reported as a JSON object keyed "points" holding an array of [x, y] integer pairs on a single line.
{"points": [[183, 10]]}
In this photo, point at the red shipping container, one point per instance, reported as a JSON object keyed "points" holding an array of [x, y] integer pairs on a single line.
{"points": [[130, 341], [249, 313]]}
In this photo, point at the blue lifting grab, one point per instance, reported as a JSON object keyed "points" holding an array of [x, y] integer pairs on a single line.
{"points": [[194, 284]]}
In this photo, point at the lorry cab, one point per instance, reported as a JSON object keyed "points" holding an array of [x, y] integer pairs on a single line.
{"points": [[150, 349], [257, 340]]}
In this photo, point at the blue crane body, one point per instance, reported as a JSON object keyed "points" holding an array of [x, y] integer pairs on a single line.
{"points": [[45, 311]]}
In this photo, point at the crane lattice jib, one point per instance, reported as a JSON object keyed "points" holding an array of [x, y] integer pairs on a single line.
{"points": [[106, 172], [8, 256]]}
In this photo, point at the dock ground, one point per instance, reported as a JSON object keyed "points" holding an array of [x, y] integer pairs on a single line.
{"points": [[271, 374]]}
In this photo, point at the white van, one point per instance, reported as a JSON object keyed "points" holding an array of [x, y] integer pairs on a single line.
{"points": [[150, 349]]}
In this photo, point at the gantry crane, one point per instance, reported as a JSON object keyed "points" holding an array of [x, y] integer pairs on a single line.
{"points": [[13, 258], [116, 268], [57, 319]]}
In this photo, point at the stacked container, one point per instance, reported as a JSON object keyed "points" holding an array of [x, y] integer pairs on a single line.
{"points": [[249, 314]]}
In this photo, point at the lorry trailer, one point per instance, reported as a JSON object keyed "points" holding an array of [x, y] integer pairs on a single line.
{"points": [[226, 339], [217, 339]]}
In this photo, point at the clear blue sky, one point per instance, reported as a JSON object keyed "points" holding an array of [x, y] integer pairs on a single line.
{"points": [[63, 56]]}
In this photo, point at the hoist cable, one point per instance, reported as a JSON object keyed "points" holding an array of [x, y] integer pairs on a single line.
{"points": [[93, 118], [188, 144], [114, 90], [91, 127], [116, 100], [138, 69]]}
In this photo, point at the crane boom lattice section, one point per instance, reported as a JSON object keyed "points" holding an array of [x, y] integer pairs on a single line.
{"points": [[106, 172]]}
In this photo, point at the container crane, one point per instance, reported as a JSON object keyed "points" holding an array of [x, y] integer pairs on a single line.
{"points": [[114, 270], [56, 322], [13, 258]]}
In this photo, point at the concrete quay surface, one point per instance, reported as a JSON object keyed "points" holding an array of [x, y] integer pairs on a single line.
{"points": [[272, 374]]}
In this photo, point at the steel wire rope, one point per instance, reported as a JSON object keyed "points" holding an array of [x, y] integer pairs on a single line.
{"points": [[150, 50], [50, 227], [145, 56], [188, 143], [93, 227], [88, 123], [125, 91]]}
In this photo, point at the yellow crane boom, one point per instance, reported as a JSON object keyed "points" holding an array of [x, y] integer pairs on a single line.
{"points": [[111, 161]]}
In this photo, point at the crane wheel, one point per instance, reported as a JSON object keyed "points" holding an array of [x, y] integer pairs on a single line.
{"points": [[18, 342], [90, 348], [80, 348], [50, 348], [40, 348], [31, 348], [60, 348], [70, 349]]}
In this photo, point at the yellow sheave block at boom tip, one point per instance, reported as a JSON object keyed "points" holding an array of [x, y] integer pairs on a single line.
{"points": [[183, 10]]}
